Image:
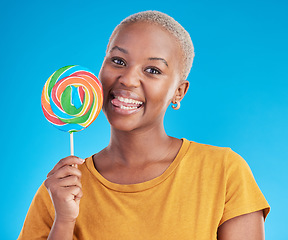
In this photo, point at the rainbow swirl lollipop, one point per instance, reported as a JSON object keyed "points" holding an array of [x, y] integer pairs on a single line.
{"points": [[72, 98]]}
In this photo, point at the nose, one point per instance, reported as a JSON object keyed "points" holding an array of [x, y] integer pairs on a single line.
{"points": [[130, 77]]}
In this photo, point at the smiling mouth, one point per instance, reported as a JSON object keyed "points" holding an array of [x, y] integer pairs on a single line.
{"points": [[126, 103]]}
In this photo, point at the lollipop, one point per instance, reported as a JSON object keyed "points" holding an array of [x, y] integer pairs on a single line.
{"points": [[71, 99]]}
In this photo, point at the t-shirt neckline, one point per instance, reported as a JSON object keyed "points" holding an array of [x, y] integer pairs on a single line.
{"points": [[137, 187]]}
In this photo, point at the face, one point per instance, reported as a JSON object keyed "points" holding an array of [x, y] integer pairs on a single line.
{"points": [[140, 76]]}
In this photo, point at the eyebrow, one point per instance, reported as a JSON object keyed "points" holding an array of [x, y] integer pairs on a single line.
{"points": [[120, 49], [161, 59], [126, 52]]}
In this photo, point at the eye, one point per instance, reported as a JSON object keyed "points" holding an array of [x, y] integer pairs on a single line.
{"points": [[118, 61], [153, 70]]}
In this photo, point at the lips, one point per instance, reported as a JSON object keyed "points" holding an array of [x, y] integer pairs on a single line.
{"points": [[126, 100]]}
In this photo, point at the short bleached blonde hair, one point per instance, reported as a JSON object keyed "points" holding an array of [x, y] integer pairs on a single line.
{"points": [[173, 27]]}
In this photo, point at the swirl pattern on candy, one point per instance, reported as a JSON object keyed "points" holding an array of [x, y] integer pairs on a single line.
{"points": [[72, 98]]}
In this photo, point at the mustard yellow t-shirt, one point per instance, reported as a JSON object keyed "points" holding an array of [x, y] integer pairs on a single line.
{"points": [[202, 188]]}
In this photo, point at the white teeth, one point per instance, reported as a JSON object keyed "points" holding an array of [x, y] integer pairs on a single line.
{"points": [[127, 108], [128, 100]]}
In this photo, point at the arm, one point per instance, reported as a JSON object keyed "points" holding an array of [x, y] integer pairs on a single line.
{"points": [[62, 230], [249, 227], [64, 186]]}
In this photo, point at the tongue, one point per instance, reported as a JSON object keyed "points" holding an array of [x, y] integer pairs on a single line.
{"points": [[118, 103]]}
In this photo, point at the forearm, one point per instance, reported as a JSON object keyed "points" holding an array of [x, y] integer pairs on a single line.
{"points": [[62, 230]]}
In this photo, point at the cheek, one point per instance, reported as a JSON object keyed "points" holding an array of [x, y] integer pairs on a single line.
{"points": [[160, 94], [106, 78], [104, 75]]}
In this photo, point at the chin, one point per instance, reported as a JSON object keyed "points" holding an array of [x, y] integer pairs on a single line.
{"points": [[121, 123], [124, 126]]}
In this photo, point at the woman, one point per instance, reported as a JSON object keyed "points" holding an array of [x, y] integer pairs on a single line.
{"points": [[146, 184]]}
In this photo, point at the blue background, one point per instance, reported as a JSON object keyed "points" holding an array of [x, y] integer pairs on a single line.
{"points": [[237, 98]]}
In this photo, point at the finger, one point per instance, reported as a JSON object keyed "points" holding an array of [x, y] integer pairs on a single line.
{"points": [[78, 197], [66, 171], [70, 181], [67, 194], [70, 160], [72, 193], [63, 187], [77, 192], [54, 181]]}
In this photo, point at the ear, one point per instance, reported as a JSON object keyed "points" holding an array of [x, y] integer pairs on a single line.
{"points": [[180, 91]]}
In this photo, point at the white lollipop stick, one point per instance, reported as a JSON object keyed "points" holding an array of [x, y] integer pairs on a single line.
{"points": [[71, 144]]}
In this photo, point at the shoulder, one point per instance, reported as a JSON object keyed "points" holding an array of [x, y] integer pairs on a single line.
{"points": [[40, 216], [42, 201], [215, 160], [208, 152], [42, 194], [232, 175], [215, 152]]}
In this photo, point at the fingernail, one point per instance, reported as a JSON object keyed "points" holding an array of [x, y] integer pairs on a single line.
{"points": [[82, 160]]}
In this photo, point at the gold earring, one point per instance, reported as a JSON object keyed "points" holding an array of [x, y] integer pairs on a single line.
{"points": [[177, 106]]}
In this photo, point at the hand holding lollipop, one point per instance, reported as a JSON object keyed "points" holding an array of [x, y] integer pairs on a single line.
{"points": [[72, 99]]}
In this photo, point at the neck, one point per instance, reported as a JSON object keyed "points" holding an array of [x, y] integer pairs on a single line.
{"points": [[139, 146]]}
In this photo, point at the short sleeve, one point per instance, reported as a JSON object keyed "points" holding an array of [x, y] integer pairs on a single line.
{"points": [[40, 217], [243, 195]]}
